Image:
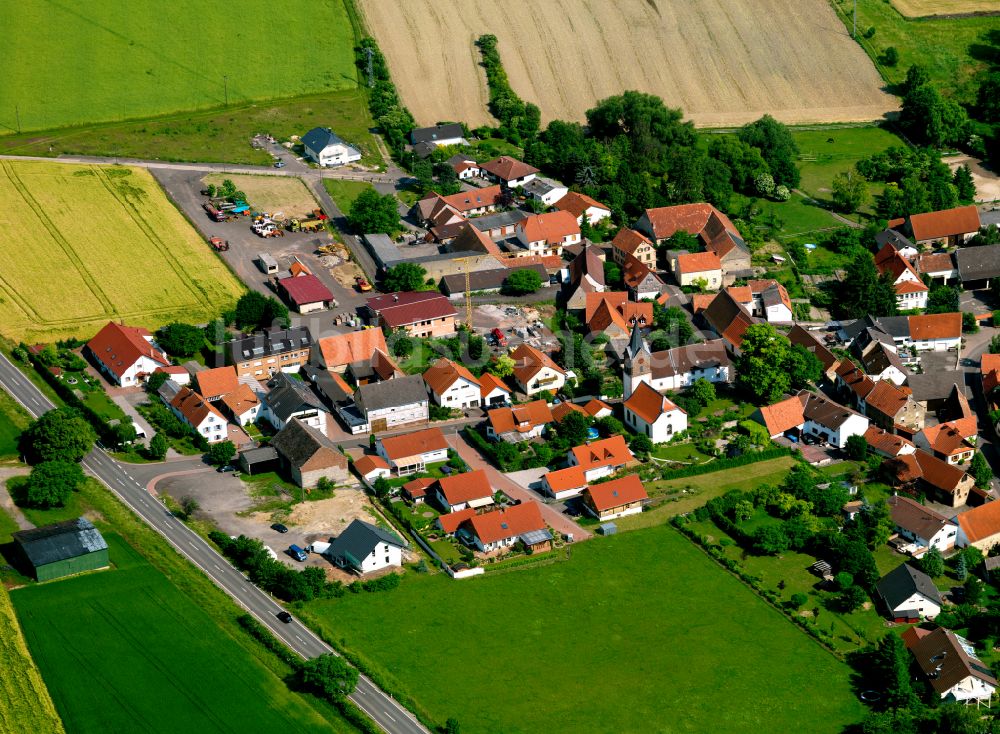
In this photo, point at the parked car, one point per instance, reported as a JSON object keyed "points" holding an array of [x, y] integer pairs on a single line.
{"points": [[285, 617], [297, 553], [279, 164], [226, 469], [279, 527]]}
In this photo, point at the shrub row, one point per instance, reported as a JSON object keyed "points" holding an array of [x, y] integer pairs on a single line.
{"points": [[394, 120], [519, 120], [524, 561], [66, 394]]}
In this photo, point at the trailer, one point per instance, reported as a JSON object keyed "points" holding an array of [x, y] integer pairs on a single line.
{"points": [[267, 263], [214, 214]]}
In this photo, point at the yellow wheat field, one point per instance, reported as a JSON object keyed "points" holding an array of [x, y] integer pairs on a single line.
{"points": [[85, 244], [25, 704], [924, 8], [724, 62]]}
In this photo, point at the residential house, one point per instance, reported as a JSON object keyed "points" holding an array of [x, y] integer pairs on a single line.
{"points": [[727, 318], [948, 441], [564, 408], [944, 482], [198, 413], [451, 385], [437, 211], [612, 314], [989, 368], [421, 314], [241, 405], [545, 190], [308, 455], [176, 373], [464, 167], [978, 266], [290, 398], [581, 205], [811, 343], [499, 529], [676, 368], [893, 408], [535, 372], [629, 242], [785, 417], [493, 392], [274, 350], [881, 362], [389, 405], [586, 275], [924, 332], [766, 299], [921, 524], [449, 522], [547, 234], [952, 668], [365, 349], [415, 492], [614, 499], [366, 548], [305, 293], [413, 452], [459, 491], [909, 595], [812, 415], [716, 232], [214, 383], [600, 458], [508, 172], [653, 415], [911, 293], [125, 354], [641, 281], [370, 468], [519, 422], [979, 527], [697, 269], [325, 148], [597, 409], [951, 227], [562, 484], [450, 133], [938, 266], [898, 242], [887, 445]]}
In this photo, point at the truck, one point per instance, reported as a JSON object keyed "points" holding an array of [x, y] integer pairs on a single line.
{"points": [[214, 214], [307, 225]]}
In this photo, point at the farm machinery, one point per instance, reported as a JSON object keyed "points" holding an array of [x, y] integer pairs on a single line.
{"points": [[266, 227], [219, 244], [307, 225], [363, 285]]}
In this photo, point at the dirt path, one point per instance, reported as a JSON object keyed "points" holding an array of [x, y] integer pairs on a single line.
{"points": [[559, 522], [7, 502]]}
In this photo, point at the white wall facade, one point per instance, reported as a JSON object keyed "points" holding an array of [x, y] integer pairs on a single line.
{"points": [[460, 394]]}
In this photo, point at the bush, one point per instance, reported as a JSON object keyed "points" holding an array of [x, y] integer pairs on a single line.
{"points": [[51, 483], [798, 600], [521, 282]]}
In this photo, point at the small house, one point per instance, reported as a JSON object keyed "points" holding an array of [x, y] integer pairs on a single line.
{"points": [[653, 415], [459, 491], [952, 668], [366, 548], [371, 467], [500, 529], [413, 452], [308, 455], [451, 385], [325, 148], [614, 499], [909, 595]]}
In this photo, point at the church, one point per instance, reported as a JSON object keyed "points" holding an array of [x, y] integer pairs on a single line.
{"points": [[674, 369]]}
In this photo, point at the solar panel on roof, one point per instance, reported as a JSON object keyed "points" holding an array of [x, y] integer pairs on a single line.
{"points": [[258, 351]]}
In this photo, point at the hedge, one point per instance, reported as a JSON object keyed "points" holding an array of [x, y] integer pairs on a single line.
{"points": [[66, 394], [519, 120]]}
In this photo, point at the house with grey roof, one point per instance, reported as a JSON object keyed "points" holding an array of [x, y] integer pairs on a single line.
{"points": [[486, 281], [325, 148], [307, 455], [909, 595], [978, 265], [449, 133], [392, 404], [366, 548], [291, 398], [62, 549]]}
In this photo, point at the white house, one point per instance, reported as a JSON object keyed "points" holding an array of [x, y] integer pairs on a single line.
{"points": [[674, 369], [391, 404], [581, 205], [830, 421], [909, 595], [545, 190], [767, 299], [126, 354], [371, 467], [548, 234], [921, 524], [451, 385], [492, 391], [450, 133], [413, 452], [366, 548], [462, 491], [325, 148], [534, 371], [937, 332], [289, 398], [952, 668], [196, 412], [242, 405], [910, 289], [601, 458], [508, 171], [519, 422], [653, 415]]}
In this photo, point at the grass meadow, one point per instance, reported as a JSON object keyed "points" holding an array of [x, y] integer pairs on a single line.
{"points": [[150, 660], [85, 244], [13, 419], [102, 64], [636, 632]]}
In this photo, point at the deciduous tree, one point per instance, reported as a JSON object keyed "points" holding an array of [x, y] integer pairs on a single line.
{"points": [[59, 435], [52, 482], [373, 213], [180, 340], [760, 366], [405, 277]]}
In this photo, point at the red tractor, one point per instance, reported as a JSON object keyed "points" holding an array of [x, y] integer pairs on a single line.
{"points": [[219, 244]]}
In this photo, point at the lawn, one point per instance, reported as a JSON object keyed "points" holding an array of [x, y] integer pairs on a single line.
{"points": [[636, 632], [682, 452], [953, 50], [95, 225], [273, 194], [344, 193], [825, 153], [103, 64], [25, 704], [13, 419], [158, 661], [215, 135]]}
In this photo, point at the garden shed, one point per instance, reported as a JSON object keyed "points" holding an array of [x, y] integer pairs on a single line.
{"points": [[63, 549]]}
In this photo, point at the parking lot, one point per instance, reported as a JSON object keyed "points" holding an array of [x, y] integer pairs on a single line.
{"points": [[519, 324]]}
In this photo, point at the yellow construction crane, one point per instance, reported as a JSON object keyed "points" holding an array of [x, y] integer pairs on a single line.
{"points": [[468, 293]]}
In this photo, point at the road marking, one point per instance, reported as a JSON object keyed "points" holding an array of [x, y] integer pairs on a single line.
{"points": [[386, 713], [300, 639], [217, 566]]}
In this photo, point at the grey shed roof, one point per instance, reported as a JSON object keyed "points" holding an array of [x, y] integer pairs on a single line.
{"points": [[901, 582], [321, 137], [359, 539], [896, 326], [298, 443], [62, 540], [501, 219], [328, 387], [289, 396], [391, 393], [436, 132], [259, 455], [482, 280], [978, 263], [894, 238], [936, 385]]}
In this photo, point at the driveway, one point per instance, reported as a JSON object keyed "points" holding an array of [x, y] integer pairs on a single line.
{"points": [[559, 522], [6, 501]]}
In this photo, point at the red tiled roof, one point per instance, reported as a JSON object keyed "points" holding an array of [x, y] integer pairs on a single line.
{"points": [[855, 380], [936, 472], [444, 373], [577, 204], [884, 442], [507, 168], [945, 223], [634, 271], [616, 310], [628, 240], [217, 381], [412, 444], [692, 218], [489, 382], [927, 327], [935, 262], [946, 439], [468, 487], [799, 335], [418, 487], [910, 286], [240, 400], [521, 418], [981, 522], [561, 480], [564, 409], [305, 289], [369, 463], [728, 318], [648, 404], [528, 362], [354, 346], [194, 407], [550, 228], [886, 398], [497, 525], [450, 521], [119, 347], [610, 451], [595, 406], [783, 415], [409, 310], [616, 493], [466, 201], [698, 262]]}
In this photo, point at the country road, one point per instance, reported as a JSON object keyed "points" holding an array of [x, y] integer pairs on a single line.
{"points": [[379, 706]]}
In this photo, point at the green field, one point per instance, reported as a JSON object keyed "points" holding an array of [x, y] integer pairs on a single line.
{"points": [[105, 62], [953, 50], [636, 632], [150, 660], [114, 248], [13, 419], [344, 193]]}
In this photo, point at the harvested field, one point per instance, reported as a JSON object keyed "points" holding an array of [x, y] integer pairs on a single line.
{"points": [[285, 194], [85, 244], [926, 8], [724, 62]]}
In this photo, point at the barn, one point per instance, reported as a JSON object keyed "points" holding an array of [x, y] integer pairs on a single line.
{"points": [[62, 549]]}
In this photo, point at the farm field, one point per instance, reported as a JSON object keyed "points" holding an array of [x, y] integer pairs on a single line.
{"points": [[626, 635], [114, 247], [103, 64], [25, 704], [724, 62], [924, 8], [188, 676], [285, 194]]}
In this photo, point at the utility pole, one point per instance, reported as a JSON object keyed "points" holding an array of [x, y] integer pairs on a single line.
{"points": [[369, 69], [225, 81], [468, 295]]}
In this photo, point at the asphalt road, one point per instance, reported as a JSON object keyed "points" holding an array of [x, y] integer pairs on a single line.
{"points": [[382, 708]]}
